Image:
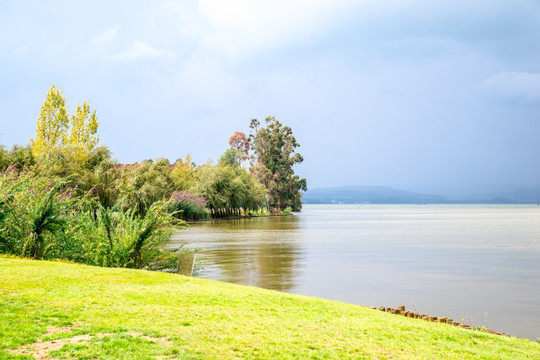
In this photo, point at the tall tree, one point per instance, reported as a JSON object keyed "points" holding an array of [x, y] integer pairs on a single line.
{"points": [[84, 127], [240, 142], [52, 123], [274, 157], [56, 128]]}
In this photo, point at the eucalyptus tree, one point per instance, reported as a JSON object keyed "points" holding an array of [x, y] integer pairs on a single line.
{"points": [[274, 148]]}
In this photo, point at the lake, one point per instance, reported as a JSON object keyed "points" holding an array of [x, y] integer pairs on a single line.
{"points": [[479, 264]]}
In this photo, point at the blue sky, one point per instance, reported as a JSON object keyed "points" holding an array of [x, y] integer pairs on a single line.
{"points": [[434, 96]]}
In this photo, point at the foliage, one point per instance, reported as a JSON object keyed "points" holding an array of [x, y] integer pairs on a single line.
{"points": [[45, 221], [56, 128], [114, 238], [84, 127], [32, 215], [183, 174], [239, 141], [40, 219], [140, 185], [189, 206], [99, 178], [274, 147], [238, 152], [229, 190], [52, 124], [16, 159], [64, 197], [231, 157]]}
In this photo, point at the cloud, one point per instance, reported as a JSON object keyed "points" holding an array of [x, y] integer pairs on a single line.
{"points": [[522, 88], [143, 51], [240, 27]]}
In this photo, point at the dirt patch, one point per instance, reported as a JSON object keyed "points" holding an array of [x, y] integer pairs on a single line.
{"points": [[51, 330], [161, 341], [40, 350]]}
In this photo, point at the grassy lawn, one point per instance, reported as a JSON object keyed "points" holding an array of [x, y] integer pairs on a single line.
{"points": [[64, 311]]}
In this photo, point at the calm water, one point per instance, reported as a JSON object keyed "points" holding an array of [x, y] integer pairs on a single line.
{"points": [[480, 264]]}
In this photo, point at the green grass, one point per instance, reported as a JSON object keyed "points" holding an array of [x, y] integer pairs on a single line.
{"points": [[126, 311]]}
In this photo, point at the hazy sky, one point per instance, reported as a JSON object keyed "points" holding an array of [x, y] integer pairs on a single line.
{"points": [[440, 96]]}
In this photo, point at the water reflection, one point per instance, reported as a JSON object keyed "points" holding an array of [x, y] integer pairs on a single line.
{"points": [[478, 262], [264, 252]]}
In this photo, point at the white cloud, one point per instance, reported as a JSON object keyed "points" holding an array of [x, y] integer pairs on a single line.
{"points": [[142, 51], [518, 87], [241, 27]]}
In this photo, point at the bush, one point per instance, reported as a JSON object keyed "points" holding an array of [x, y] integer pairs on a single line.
{"points": [[115, 238], [39, 219], [32, 212], [189, 206]]}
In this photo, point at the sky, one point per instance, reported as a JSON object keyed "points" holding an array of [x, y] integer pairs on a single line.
{"points": [[431, 96]]}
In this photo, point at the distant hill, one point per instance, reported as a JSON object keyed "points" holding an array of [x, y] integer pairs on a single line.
{"points": [[387, 195], [526, 196]]}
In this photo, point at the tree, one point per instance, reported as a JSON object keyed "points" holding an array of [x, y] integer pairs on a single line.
{"points": [[84, 127], [231, 157], [239, 141], [228, 190], [57, 129], [183, 173], [140, 185], [52, 123], [274, 156]]}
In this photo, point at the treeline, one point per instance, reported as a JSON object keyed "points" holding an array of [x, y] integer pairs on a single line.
{"points": [[64, 196]]}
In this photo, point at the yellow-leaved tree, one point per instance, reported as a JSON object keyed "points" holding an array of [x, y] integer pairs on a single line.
{"points": [[56, 129], [84, 127]]}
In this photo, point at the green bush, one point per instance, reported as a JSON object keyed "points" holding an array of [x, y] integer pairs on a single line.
{"points": [[189, 206], [40, 220]]}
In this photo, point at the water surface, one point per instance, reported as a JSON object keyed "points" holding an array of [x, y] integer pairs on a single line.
{"points": [[477, 264]]}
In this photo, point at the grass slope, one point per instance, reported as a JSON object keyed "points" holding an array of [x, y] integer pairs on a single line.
{"points": [[123, 314]]}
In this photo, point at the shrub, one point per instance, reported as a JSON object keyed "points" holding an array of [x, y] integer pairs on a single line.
{"points": [[114, 238], [189, 206]]}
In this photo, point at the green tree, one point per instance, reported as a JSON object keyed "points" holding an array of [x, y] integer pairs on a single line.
{"points": [[183, 174], [229, 190], [140, 185], [274, 157], [99, 177], [231, 157]]}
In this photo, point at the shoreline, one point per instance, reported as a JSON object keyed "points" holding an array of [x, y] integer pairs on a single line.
{"points": [[212, 319], [237, 218]]}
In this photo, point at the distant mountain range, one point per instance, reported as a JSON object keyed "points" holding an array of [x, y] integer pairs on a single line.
{"points": [[386, 195]]}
